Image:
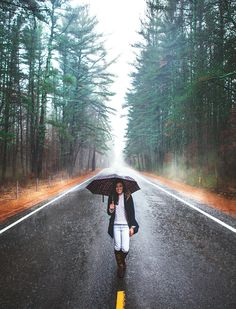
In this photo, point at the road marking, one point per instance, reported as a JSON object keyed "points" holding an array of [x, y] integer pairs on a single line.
{"points": [[229, 227], [43, 206], [120, 300]]}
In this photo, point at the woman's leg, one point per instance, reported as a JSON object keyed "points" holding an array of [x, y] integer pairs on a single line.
{"points": [[117, 250], [125, 238], [117, 237]]}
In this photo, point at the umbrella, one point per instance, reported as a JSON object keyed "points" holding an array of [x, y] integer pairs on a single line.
{"points": [[104, 184]]}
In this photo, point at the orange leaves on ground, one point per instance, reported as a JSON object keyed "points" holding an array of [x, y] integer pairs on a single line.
{"points": [[212, 199], [9, 205]]}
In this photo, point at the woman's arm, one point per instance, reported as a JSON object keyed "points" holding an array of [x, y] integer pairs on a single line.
{"points": [[109, 211], [134, 223], [131, 207]]}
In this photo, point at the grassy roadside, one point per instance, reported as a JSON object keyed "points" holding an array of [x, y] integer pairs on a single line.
{"points": [[210, 198], [29, 197]]}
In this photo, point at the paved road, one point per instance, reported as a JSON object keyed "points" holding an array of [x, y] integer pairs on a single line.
{"points": [[62, 256]]}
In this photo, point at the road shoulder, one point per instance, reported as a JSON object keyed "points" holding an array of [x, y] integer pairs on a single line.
{"points": [[29, 198], [214, 200]]}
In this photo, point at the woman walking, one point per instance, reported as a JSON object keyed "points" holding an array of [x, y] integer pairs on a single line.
{"points": [[122, 224]]}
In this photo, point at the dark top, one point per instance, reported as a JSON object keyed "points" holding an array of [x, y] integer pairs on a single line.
{"points": [[129, 208]]}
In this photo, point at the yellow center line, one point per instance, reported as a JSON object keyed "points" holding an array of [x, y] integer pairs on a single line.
{"points": [[120, 300]]}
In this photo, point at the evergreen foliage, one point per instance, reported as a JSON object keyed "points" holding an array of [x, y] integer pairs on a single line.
{"points": [[182, 99], [54, 89]]}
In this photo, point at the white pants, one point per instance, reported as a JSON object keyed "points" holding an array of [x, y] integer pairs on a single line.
{"points": [[121, 237]]}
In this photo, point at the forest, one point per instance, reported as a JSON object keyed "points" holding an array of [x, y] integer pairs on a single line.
{"points": [[56, 81], [182, 103], [54, 89]]}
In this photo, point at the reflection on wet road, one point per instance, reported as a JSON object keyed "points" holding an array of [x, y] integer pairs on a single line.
{"points": [[62, 256]]}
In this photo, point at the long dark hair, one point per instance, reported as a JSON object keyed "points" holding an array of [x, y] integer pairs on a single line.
{"points": [[115, 195]]}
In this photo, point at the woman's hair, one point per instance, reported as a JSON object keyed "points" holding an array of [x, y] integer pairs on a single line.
{"points": [[114, 193]]}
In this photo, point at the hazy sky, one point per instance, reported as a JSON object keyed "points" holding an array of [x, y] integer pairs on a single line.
{"points": [[119, 20]]}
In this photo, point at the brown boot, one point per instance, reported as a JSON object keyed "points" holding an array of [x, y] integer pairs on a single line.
{"points": [[124, 254], [119, 261]]}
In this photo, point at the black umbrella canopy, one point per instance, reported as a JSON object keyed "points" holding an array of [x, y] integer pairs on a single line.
{"points": [[104, 184]]}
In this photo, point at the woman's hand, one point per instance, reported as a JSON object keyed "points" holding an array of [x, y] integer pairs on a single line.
{"points": [[131, 231], [112, 206]]}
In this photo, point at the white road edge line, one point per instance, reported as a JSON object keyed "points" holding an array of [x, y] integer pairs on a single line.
{"points": [[41, 207], [232, 229]]}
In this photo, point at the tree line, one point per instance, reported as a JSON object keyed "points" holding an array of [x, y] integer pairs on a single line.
{"points": [[54, 89], [182, 103]]}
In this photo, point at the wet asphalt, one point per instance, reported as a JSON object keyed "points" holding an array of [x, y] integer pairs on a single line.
{"points": [[62, 256]]}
